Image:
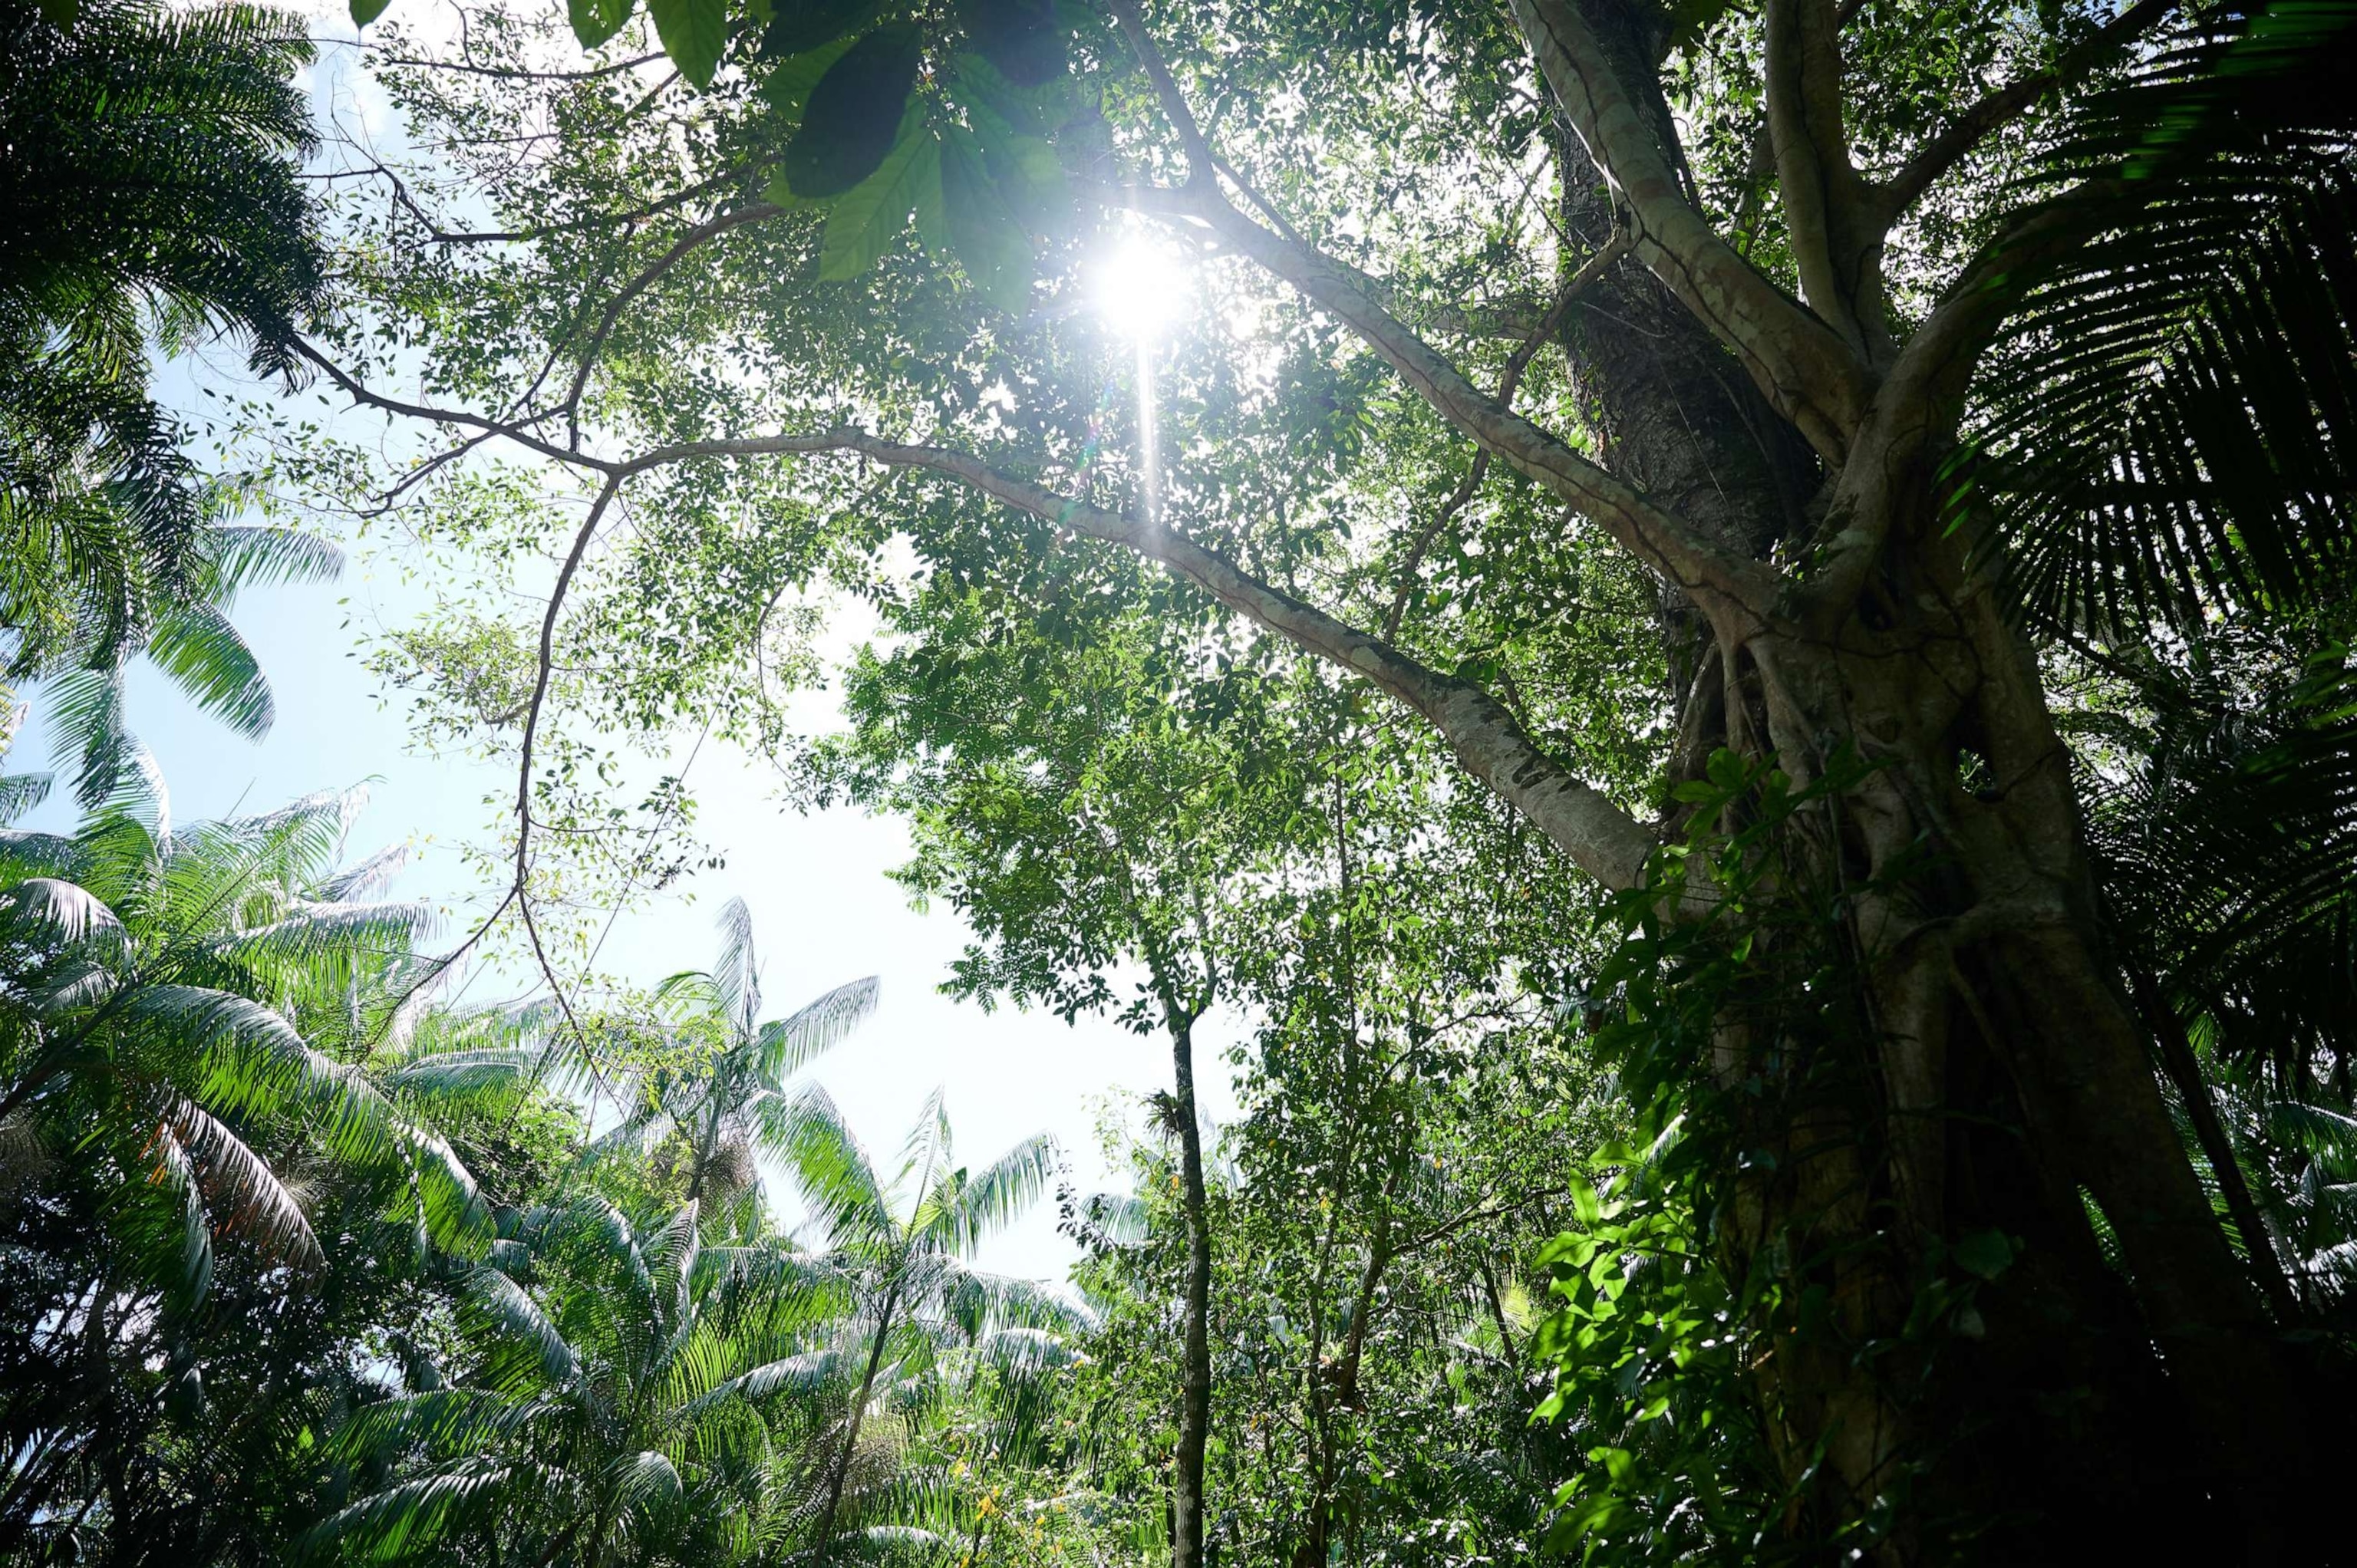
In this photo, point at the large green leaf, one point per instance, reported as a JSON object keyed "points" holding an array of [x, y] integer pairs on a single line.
{"points": [[800, 26], [862, 224], [363, 11], [983, 229], [693, 33], [593, 21], [1023, 38], [854, 115]]}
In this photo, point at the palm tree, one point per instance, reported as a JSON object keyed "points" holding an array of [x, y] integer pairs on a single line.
{"points": [[621, 1393], [905, 1243], [164, 1098], [722, 1091], [149, 188]]}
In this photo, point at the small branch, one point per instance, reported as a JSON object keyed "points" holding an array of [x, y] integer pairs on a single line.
{"points": [[1509, 383], [655, 208], [459, 416], [511, 73], [1956, 140], [687, 244]]}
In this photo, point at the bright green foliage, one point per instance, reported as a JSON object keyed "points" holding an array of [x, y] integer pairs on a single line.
{"points": [[614, 1390], [148, 190], [718, 1082], [901, 1244], [208, 1203]]}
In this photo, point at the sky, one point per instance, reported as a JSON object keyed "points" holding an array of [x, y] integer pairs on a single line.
{"points": [[824, 912]]}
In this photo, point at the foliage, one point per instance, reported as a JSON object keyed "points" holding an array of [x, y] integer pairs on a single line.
{"points": [[184, 131]]}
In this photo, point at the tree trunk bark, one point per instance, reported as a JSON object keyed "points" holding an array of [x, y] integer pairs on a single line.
{"points": [[1996, 1081], [1195, 1385], [1988, 1080]]}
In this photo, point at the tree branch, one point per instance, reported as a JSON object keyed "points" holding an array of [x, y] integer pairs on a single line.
{"points": [[1968, 129], [1598, 836], [1662, 540], [688, 242], [459, 416], [1807, 372], [1828, 215], [1594, 267]]}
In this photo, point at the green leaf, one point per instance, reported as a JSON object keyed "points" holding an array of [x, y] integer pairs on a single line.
{"points": [[787, 86], [989, 243], [363, 11], [693, 33], [855, 113], [1985, 1252], [866, 218], [800, 26], [593, 21], [1024, 39]]}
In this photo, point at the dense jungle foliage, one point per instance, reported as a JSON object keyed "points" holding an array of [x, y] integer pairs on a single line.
{"points": [[1704, 646]]}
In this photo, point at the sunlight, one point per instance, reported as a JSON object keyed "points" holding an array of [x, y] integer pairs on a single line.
{"points": [[1139, 289]]}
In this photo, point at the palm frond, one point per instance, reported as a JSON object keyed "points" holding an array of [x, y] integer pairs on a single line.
{"points": [[2170, 421], [837, 1182], [788, 1044], [1000, 1194]]}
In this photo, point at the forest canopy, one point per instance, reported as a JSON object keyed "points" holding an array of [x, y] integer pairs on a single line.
{"points": [[1699, 653]]}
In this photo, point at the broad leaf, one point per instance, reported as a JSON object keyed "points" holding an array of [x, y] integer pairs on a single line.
{"points": [[693, 33], [854, 115], [593, 21], [988, 241], [863, 223], [803, 24], [363, 11]]}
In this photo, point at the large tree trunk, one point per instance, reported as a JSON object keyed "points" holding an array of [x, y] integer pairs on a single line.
{"points": [[1996, 1083]]}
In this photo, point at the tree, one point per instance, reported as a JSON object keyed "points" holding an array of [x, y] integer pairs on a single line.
{"points": [[619, 1393], [150, 188], [721, 1086], [904, 1244], [1839, 372], [181, 1105]]}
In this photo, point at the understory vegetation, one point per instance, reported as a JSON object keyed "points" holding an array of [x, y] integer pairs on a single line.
{"points": [[1699, 653]]}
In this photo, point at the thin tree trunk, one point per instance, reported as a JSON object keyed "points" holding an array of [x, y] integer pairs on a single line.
{"points": [[1195, 1386], [2185, 1071], [841, 1468]]}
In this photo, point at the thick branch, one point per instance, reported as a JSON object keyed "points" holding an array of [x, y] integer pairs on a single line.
{"points": [[1836, 244], [1656, 536], [1663, 541], [1599, 837], [1969, 129], [1807, 370]]}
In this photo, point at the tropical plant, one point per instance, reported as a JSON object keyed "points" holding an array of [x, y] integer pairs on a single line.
{"points": [[718, 1079], [149, 188], [904, 1244], [178, 1097], [615, 1393]]}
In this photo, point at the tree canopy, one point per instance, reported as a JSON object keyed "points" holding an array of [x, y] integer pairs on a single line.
{"points": [[1706, 646]]}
